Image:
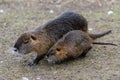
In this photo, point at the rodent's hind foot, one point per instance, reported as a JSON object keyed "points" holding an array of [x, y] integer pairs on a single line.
{"points": [[85, 52]]}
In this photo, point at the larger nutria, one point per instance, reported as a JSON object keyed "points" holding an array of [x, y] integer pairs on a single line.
{"points": [[73, 44]]}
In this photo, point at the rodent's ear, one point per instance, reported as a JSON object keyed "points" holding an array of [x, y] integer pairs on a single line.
{"points": [[33, 37]]}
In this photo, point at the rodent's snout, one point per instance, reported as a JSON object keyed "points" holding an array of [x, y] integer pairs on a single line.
{"points": [[15, 49]]}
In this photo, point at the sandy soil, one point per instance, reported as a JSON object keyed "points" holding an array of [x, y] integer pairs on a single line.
{"points": [[101, 63]]}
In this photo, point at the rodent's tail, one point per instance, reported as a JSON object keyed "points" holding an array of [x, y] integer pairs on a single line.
{"points": [[101, 43], [95, 36]]}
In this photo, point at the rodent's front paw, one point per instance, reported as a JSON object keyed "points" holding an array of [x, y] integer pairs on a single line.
{"points": [[31, 64], [34, 62]]}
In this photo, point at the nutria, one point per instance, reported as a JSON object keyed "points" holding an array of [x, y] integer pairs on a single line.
{"points": [[41, 39], [73, 44]]}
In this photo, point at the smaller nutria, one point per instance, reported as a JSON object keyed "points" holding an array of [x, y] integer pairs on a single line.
{"points": [[72, 45]]}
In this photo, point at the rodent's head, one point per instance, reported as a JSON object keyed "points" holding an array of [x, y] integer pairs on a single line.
{"points": [[57, 54], [27, 43]]}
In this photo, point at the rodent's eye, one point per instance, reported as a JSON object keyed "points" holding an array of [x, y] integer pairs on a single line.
{"points": [[58, 49], [33, 37], [25, 41]]}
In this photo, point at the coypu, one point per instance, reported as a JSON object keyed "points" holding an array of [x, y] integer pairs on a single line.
{"points": [[41, 39], [73, 44]]}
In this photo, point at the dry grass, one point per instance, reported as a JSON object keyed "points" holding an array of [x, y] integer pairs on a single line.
{"points": [[101, 63]]}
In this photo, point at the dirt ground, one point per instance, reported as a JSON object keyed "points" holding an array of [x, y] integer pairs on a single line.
{"points": [[101, 63]]}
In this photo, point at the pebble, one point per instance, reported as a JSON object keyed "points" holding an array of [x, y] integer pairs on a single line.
{"points": [[38, 78], [25, 78], [90, 29], [110, 12], [51, 11], [1, 61], [1, 11]]}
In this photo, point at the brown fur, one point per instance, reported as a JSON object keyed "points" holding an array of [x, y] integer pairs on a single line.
{"points": [[72, 45], [43, 38]]}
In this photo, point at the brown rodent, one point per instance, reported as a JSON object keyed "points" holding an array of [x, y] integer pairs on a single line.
{"points": [[72, 45], [43, 38]]}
